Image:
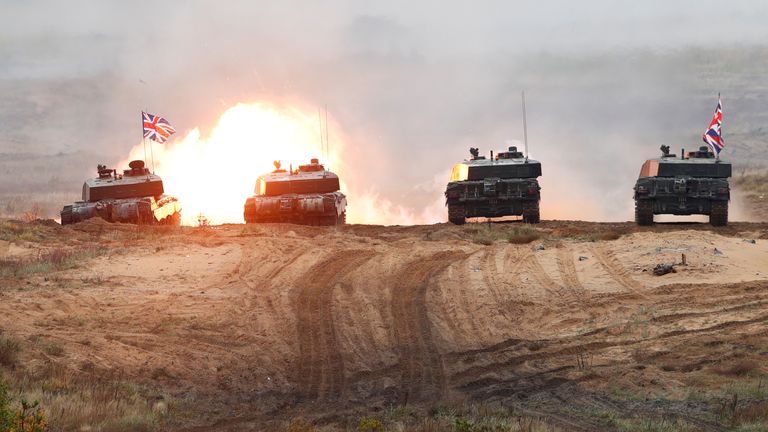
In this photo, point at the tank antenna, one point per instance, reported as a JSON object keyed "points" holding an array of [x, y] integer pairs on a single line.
{"points": [[525, 129], [327, 149], [320, 125]]}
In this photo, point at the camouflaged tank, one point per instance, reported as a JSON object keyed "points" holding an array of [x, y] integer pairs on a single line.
{"points": [[309, 195], [136, 196], [696, 183], [506, 185]]}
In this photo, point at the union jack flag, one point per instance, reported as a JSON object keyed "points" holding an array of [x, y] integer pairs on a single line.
{"points": [[156, 128], [714, 134]]}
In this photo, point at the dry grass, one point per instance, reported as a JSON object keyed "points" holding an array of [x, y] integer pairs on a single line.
{"points": [[739, 368], [73, 401], [523, 235], [490, 234], [50, 260], [9, 351]]}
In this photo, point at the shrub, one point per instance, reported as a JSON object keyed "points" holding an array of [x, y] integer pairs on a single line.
{"points": [[29, 418], [298, 424], [6, 413], [523, 235], [370, 425]]}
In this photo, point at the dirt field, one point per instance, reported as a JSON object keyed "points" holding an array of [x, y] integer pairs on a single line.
{"points": [[238, 328]]}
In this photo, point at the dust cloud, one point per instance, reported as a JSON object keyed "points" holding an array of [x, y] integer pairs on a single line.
{"points": [[409, 87]]}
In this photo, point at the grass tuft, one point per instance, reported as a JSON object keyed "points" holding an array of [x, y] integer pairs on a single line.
{"points": [[9, 351]]}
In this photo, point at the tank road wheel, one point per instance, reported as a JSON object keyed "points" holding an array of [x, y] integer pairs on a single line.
{"points": [[644, 212], [718, 215], [66, 215], [531, 212], [457, 214]]}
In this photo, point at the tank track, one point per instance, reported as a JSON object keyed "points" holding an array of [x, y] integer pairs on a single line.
{"points": [[457, 214], [644, 212], [66, 215], [718, 215], [531, 213]]}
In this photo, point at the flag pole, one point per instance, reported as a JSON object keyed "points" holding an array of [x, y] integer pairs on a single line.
{"points": [[327, 149], [152, 155], [143, 138]]}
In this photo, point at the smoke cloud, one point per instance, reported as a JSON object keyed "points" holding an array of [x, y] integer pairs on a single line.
{"points": [[410, 87]]}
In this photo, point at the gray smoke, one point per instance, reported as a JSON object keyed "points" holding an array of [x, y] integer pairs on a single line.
{"points": [[413, 85]]}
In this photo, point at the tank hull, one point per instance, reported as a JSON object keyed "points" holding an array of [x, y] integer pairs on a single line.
{"points": [[681, 196], [493, 197], [305, 209], [141, 211]]}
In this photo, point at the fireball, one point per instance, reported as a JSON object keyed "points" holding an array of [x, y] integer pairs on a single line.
{"points": [[212, 176]]}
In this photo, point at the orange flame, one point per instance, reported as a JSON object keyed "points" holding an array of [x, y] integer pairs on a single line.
{"points": [[213, 175]]}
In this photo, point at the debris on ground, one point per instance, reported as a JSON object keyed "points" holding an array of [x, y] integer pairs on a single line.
{"points": [[539, 247], [582, 258], [751, 241], [717, 252], [662, 269]]}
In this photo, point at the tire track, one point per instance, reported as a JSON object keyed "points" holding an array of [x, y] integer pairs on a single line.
{"points": [[279, 269], [532, 266], [490, 277], [568, 273], [562, 348], [421, 366], [320, 370], [615, 269]]}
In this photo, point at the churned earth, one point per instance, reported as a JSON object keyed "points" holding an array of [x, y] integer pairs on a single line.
{"points": [[247, 327]]}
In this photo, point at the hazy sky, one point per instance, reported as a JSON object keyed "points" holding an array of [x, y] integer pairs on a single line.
{"points": [[607, 81]]}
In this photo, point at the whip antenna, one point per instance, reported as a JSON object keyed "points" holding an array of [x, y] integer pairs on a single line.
{"points": [[327, 149], [320, 125], [525, 129]]}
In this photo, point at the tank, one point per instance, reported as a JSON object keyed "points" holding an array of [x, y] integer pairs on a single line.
{"points": [[506, 185], [308, 195], [136, 196], [693, 184]]}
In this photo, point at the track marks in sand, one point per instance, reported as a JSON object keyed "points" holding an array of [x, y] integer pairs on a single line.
{"points": [[491, 274], [533, 267], [615, 269], [421, 366], [568, 273], [320, 372]]}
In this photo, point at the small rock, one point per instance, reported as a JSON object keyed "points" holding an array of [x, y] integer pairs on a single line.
{"points": [[751, 241], [582, 258], [717, 252], [539, 247], [662, 269]]}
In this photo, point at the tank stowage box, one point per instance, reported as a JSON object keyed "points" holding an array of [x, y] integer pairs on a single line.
{"points": [[135, 196], [696, 183], [309, 195], [506, 185]]}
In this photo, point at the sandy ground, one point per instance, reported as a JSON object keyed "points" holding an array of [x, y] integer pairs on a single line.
{"points": [[259, 324]]}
